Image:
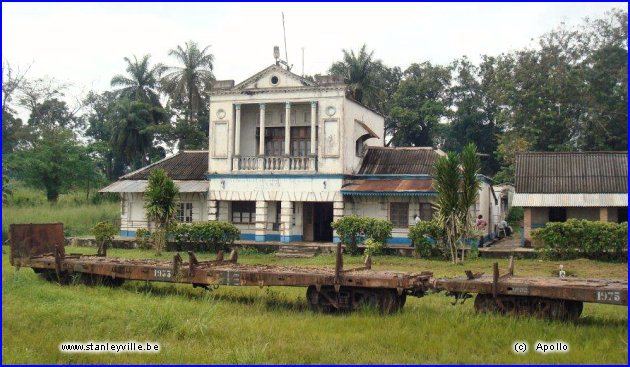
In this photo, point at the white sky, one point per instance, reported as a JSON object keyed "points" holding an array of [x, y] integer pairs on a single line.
{"points": [[84, 44]]}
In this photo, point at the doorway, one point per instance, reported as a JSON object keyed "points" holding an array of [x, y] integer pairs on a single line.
{"points": [[317, 222]]}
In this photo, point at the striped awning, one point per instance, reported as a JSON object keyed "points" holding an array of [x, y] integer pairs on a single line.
{"points": [[570, 200], [187, 186], [389, 188]]}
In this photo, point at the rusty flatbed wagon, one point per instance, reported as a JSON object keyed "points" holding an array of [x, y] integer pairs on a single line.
{"points": [[327, 289], [550, 297], [41, 247]]}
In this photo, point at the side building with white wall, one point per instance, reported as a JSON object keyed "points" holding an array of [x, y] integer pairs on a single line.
{"points": [[187, 168]]}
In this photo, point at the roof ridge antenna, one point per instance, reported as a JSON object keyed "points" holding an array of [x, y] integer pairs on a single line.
{"points": [[284, 62]]}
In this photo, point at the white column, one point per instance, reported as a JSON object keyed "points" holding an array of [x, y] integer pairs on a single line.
{"points": [[213, 210], [313, 131], [338, 212], [261, 220], [237, 130], [287, 129], [261, 148], [286, 219]]}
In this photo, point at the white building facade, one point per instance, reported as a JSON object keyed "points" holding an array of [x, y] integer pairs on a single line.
{"points": [[287, 157]]}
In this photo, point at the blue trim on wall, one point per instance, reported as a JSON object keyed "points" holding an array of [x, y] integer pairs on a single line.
{"points": [[292, 238], [259, 238], [272, 237], [399, 241], [247, 236], [388, 193], [127, 233], [273, 175]]}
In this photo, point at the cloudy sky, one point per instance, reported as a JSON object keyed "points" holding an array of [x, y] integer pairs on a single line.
{"points": [[84, 44]]}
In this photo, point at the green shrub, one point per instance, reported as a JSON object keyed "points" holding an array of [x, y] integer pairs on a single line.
{"points": [[474, 252], [380, 230], [373, 247], [205, 236], [425, 236], [515, 215], [353, 230], [104, 233], [143, 238], [582, 238]]}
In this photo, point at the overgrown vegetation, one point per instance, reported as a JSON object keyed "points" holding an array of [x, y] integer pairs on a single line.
{"points": [[428, 239], [205, 236], [252, 325], [575, 238], [515, 216], [160, 200], [74, 210], [353, 230], [103, 233], [457, 184]]}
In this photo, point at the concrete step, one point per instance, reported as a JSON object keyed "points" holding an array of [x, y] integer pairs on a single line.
{"points": [[292, 251]]}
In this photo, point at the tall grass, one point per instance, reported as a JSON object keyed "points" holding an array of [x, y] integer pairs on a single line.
{"points": [[273, 325], [74, 210]]}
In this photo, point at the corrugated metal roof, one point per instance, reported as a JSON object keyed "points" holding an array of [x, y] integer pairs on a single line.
{"points": [[570, 200], [411, 161], [575, 172], [185, 165], [141, 185], [387, 187]]}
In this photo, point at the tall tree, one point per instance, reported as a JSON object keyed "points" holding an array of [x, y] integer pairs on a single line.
{"points": [[160, 203], [457, 185], [474, 117], [187, 84], [134, 134], [141, 81], [362, 75], [419, 104]]}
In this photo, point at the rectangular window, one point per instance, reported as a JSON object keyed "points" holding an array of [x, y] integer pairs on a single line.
{"points": [[184, 212], [243, 212], [557, 214], [426, 212], [399, 214]]}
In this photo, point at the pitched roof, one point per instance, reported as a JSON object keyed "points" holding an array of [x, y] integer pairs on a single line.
{"points": [[185, 165], [572, 172], [401, 161], [272, 68]]}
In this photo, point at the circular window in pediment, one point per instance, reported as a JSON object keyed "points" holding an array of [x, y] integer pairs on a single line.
{"points": [[275, 80]]}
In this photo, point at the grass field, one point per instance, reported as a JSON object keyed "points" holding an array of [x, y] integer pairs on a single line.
{"points": [[73, 210], [273, 325]]}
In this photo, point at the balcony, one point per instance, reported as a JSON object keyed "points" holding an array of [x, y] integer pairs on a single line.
{"points": [[275, 164]]}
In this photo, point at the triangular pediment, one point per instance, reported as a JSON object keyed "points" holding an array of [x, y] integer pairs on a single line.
{"points": [[271, 77]]}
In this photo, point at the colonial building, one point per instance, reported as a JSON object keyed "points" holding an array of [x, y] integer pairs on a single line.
{"points": [[553, 187], [187, 168], [288, 156]]}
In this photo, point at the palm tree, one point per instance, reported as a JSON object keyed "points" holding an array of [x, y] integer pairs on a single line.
{"points": [[188, 83], [130, 137], [141, 81], [362, 75], [161, 205], [457, 185]]}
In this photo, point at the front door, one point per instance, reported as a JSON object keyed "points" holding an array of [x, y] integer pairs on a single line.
{"points": [[318, 219]]}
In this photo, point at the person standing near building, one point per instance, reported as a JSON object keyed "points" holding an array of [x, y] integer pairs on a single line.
{"points": [[416, 219], [481, 225]]}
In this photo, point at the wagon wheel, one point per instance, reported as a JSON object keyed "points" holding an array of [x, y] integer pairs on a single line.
{"points": [[388, 301], [485, 303], [313, 299], [402, 299], [575, 309]]}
